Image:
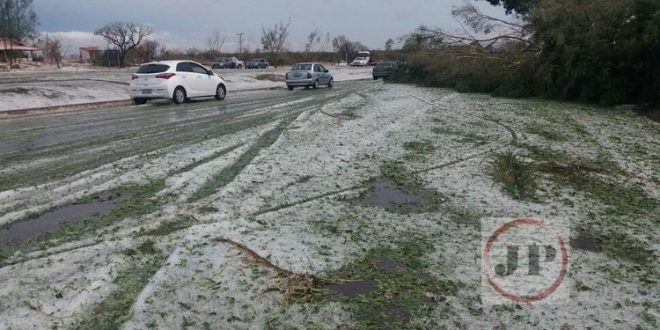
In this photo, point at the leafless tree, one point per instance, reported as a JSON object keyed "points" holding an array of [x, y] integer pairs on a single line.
{"points": [[273, 39], [148, 50], [316, 41], [215, 42], [52, 49], [346, 48], [125, 36]]}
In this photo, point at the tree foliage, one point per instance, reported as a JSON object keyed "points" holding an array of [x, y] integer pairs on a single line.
{"points": [[274, 38], [125, 36], [389, 44], [521, 7], [18, 21], [346, 48], [603, 51]]}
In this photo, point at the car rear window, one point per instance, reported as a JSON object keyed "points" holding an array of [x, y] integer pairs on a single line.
{"points": [[301, 67], [153, 68]]}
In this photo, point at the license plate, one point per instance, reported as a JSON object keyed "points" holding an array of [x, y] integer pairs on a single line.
{"points": [[146, 91], [298, 75]]}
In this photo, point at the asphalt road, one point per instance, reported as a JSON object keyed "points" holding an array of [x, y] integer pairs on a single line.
{"points": [[38, 149]]}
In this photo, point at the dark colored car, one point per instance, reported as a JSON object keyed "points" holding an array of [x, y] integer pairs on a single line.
{"points": [[384, 69], [219, 63], [257, 63], [227, 63]]}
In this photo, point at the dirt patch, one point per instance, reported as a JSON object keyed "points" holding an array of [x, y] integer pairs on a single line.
{"points": [[52, 220], [271, 77], [386, 194], [32, 92], [16, 90]]}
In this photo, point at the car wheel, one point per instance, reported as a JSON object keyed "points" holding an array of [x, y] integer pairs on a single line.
{"points": [[331, 83], [316, 84], [375, 78], [139, 101], [290, 87], [179, 95], [240, 67], [220, 92]]}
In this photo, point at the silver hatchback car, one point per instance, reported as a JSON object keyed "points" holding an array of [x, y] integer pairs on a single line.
{"points": [[308, 75]]}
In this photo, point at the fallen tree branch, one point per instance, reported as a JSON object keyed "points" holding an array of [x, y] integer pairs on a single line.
{"points": [[295, 286]]}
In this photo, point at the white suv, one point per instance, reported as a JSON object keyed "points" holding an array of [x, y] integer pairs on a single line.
{"points": [[178, 80]]}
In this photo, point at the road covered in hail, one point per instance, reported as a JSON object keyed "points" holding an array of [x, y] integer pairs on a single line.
{"points": [[356, 206]]}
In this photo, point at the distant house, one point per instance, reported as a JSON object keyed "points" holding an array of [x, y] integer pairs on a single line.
{"points": [[90, 54], [8, 45]]}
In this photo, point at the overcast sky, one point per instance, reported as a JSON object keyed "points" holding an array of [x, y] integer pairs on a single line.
{"points": [[187, 23]]}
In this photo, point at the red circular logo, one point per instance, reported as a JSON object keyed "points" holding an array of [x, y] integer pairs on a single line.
{"points": [[532, 297]]}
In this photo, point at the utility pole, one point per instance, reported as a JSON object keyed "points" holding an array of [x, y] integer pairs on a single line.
{"points": [[240, 42]]}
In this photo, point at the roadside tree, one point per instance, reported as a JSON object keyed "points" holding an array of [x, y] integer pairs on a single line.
{"points": [[18, 21], [125, 36], [273, 39]]}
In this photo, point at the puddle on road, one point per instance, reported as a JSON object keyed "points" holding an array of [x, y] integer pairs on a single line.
{"points": [[53, 219], [386, 263], [353, 289], [386, 194], [586, 242]]}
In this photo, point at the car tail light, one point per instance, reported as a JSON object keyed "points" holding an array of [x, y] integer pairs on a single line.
{"points": [[166, 75], [133, 77], [309, 75]]}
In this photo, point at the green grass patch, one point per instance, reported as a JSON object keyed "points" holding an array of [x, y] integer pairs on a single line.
{"points": [[228, 174], [207, 159], [516, 177], [544, 132], [591, 177], [616, 245], [112, 312], [423, 147], [401, 291], [168, 227], [464, 136]]}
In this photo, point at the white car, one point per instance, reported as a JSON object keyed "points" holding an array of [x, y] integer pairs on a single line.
{"points": [[176, 80], [362, 59]]}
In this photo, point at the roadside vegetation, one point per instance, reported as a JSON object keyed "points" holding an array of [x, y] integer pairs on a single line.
{"points": [[389, 287], [592, 51], [111, 313]]}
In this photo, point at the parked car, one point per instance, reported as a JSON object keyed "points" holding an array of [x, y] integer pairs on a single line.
{"points": [[257, 63], [176, 80], [227, 63], [384, 69], [219, 63], [308, 75]]}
